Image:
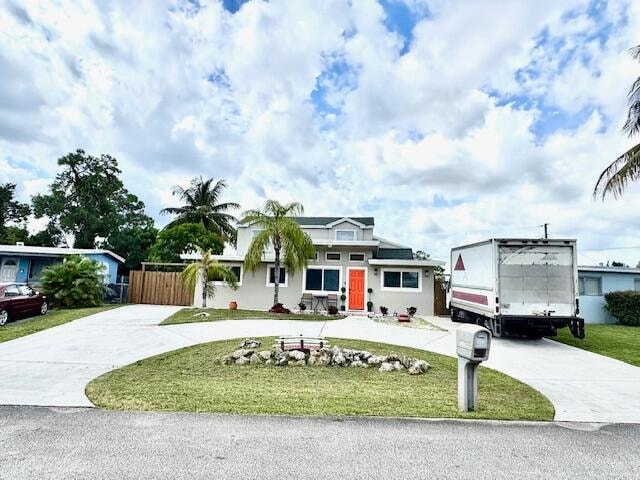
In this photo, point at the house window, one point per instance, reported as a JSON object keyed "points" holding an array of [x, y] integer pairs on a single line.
{"points": [[636, 284], [37, 266], [590, 286], [271, 272], [346, 235], [356, 257], [237, 271], [409, 280], [334, 256], [322, 279]]}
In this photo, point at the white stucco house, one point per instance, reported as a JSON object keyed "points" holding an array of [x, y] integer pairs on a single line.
{"points": [[350, 260]]}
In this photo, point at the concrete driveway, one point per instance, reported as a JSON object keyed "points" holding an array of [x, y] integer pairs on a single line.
{"points": [[52, 367]]}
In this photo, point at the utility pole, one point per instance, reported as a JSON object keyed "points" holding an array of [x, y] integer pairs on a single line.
{"points": [[546, 231]]}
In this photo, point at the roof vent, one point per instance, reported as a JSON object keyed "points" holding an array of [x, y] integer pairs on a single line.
{"points": [[19, 244]]}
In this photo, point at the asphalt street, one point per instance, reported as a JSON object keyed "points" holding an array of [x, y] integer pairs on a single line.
{"points": [[77, 443]]}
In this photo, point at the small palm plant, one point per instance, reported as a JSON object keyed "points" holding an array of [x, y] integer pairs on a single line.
{"points": [[279, 230], [206, 270], [76, 282]]}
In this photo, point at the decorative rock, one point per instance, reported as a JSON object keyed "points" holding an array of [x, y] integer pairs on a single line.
{"points": [[407, 361], [364, 355], [256, 359], [376, 359], [296, 355], [201, 314], [419, 367], [393, 357], [227, 360], [281, 359], [349, 354], [359, 363], [386, 367], [337, 357], [323, 357], [269, 362], [250, 343], [242, 361], [242, 353], [265, 354], [398, 365]]}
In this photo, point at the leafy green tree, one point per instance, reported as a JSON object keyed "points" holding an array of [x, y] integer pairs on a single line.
{"points": [[87, 199], [133, 244], [278, 230], [171, 242], [206, 270], [49, 237], [11, 211], [76, 282], [625, 168], [201, 206]]}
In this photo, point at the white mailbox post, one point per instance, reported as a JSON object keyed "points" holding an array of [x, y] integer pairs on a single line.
{"points": [[472, 344]]}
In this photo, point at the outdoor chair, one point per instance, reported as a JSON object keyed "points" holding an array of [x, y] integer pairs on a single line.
{"points": [[307, 299], [332, 300]]}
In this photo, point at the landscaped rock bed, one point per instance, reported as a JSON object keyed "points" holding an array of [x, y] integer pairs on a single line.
{"points": [[249, 354]]}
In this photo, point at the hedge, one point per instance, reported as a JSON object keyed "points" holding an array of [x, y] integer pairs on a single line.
{"points": [[624, 306]]}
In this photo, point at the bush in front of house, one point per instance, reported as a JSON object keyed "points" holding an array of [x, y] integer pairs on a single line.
{"points": [[624, 307], [76, 282]]}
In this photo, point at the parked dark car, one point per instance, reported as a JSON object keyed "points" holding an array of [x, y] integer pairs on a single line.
{"points": [[18, 301]]}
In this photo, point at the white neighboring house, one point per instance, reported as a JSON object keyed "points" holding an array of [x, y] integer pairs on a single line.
{"points": [[348, 256]]}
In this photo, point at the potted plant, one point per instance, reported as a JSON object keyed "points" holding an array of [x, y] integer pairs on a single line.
{"points": [[233, 305], [369, 306], [343, 297]]}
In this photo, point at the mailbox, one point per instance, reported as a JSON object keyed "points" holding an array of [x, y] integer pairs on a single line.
{"points": [[473, 342], [472, 346]]}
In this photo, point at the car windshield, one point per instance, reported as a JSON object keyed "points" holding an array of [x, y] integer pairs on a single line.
{"points": [[25, 290]]}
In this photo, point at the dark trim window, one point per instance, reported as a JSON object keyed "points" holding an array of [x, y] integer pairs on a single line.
{"points": [[401, 279], [334, 256], [237, 271], [346, 235], [590, 286], [272, 276], [356, 257], [322, 279]]}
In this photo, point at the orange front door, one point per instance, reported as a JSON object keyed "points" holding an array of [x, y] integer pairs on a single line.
{"points": [[356, 290]]}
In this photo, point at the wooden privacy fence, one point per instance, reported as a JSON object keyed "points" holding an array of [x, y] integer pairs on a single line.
{"points": [[158, 288], [439, 299]]}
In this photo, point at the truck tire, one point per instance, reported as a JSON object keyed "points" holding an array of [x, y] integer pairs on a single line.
{"points": [[455, 314]]}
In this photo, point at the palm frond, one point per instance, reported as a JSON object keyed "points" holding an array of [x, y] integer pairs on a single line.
{"points": [[616, 176]]}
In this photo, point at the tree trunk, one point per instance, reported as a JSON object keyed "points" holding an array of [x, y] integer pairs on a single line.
{"points": [[276, 275], [204, 288]]}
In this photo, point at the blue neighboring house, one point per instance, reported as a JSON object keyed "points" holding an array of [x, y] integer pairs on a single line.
{"points": [[594, 282], [24, 264]]}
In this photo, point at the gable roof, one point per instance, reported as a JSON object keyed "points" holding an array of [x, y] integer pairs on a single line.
{"points": [[54, 251], [326, 221]]}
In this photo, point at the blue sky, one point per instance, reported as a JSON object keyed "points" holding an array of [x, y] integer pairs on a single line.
{"points": [[447, 120]]}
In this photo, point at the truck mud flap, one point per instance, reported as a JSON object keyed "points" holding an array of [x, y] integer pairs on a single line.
{"points": [[576, 326]]}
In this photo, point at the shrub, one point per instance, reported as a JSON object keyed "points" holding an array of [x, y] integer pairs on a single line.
{"points": [[384, 310], [279, 308], [332, 310], [412, 311], [77, 282], [303, 306], [624, 306]]}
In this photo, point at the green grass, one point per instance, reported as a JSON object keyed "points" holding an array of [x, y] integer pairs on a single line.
{"points": [[616, 341], [186, 315], [52, 319], [192, 380]]}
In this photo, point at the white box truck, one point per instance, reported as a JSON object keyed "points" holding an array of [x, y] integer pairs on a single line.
{"points": [[520, 287]]}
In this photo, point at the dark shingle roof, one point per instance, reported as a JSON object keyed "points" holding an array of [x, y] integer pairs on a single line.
{"points": [[368, 221], [394, 254]]}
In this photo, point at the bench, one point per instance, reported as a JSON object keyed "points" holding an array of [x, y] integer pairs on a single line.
{"points": [[301, 343]]}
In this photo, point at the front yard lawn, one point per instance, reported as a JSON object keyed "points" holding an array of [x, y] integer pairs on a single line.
{"points": [[186, 315], [52, 319], [616, 341], [192, 380]]}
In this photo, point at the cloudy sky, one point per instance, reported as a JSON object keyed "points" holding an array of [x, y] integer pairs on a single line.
{"points": [[449, 121]]}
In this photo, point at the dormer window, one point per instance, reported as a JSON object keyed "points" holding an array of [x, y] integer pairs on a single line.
{"points": [[346, 235]]}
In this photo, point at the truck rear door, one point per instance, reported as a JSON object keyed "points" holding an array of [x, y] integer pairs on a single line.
{"points": [[536, 280]]}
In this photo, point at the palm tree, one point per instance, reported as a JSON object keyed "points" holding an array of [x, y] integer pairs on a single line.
{"points": [[626, 167], [279, 230], [206, 270], [201, 206]]}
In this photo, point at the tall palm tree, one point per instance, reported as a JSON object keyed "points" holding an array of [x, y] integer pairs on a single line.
{"points": [[206, 270], [201, 206], [279, 230], [625, 168]]}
